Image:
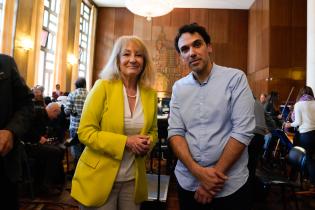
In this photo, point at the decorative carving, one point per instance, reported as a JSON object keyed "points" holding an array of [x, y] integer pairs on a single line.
{"points": [[167, 64]]}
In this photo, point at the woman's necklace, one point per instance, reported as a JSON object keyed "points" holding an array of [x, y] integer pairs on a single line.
{"points": [[134, 96]]}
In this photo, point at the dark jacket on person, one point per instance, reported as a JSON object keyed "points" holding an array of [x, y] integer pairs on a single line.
{"points": [[43, 126], [16, 108]]}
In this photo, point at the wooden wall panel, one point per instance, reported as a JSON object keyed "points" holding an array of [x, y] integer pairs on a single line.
{"points": [[219, 25], [251, 58], [159, 34], [238, 33], [104, 37], [123, 22], [280, 47], [287, 45], [277, 42], [299, 32], [264, 7], [164, 20], [299, 14], [232, 33], [258, 46], [262, 35], [298, 57], [142, 28], [179, 17], [280, 12], [199, 16]]}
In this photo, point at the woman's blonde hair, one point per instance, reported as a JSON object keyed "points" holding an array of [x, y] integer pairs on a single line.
{"points": [[111, 70]]}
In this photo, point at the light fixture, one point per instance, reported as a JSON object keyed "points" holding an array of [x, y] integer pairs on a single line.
{"points": [[26, 43], [150, 8], [72, 59]]}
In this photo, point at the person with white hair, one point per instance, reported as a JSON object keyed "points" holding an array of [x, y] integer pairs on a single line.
{"points": [[42, 144], [118, 128]]}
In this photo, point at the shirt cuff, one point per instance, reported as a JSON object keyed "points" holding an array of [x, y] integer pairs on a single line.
{"points": [[244, 139]]}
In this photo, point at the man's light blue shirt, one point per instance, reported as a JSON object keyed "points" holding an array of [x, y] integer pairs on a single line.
{"points": [[207, 115]]}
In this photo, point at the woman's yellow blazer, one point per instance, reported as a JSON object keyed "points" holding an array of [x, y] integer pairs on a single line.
{"points": [[101, 129]]}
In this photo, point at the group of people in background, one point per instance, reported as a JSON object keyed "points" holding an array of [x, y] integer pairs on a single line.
{"points": [[215, 126], [33, 124], [45, 140], [301, 117]]}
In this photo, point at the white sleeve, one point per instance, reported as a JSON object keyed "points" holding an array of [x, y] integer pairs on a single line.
{"points": [[297, 115]]}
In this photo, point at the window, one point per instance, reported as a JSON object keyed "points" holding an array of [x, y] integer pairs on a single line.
{"points": [[84, 38], [48, 45], [1, 18]]}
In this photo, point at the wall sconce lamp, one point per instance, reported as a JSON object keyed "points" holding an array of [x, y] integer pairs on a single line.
{"points": [[269, 79], [72, 59], [26, 43]]}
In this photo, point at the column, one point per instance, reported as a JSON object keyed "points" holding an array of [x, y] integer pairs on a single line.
{"points": [[310, 68]]}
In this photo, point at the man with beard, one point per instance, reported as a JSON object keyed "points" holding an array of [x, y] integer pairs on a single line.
{"points": [[210, 126]]}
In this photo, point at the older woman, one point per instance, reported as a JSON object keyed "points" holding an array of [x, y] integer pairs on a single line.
{"points": [[304, 114], [118, 127]]}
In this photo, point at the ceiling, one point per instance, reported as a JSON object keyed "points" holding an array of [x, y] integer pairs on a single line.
{"points": [[209, 4]]}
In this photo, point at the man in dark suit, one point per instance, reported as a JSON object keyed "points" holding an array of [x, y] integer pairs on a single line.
{"points": [[44, 144], [16, 108]]}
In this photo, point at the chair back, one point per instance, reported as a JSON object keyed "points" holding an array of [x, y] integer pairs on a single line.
{"points": [[297, 158], [283, 138]]}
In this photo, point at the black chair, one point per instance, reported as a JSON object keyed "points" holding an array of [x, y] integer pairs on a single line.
{"points": [[296, 158], [277, 150], [282, 137], [283, 146]]}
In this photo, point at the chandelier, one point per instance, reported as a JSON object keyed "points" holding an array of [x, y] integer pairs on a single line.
{"points": [[150, 8]]}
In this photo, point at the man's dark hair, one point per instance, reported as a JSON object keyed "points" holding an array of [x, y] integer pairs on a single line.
{"points": [[192, 28], [80, 83]]}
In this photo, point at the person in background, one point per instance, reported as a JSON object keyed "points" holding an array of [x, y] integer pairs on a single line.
{"points": [[16, 108], [304, 119], [256, 146], [273, 116], [263, 98], [39, 101], [74, 106], [211, 124], [56, 93], [118, 128], [42, 143], [273, 121]]}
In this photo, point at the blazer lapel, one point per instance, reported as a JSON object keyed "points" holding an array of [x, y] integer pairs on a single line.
{"points": [[146, 104], [117, 104]]}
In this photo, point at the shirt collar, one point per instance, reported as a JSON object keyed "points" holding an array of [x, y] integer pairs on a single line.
{"points": [[208, 78]]}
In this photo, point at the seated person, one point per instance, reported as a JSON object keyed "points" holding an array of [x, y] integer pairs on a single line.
{"points": [[42, 144], [274, 121], [56, 93]]}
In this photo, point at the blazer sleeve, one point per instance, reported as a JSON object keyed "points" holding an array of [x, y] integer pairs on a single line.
{"points": [[90, 132], [23, 108], [153, 131]]}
